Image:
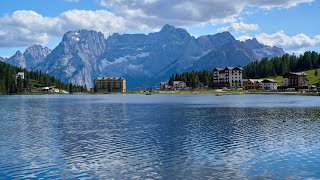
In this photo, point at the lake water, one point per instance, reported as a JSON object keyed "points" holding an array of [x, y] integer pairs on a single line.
{"points": [[160, 137]]}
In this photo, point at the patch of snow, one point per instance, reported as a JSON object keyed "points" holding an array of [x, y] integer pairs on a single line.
{"points": [[135, 67]]}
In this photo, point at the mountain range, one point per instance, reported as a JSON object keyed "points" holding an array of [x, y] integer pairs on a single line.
{"points": [[144, 60]]}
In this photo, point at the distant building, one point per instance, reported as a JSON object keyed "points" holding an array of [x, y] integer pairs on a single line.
{"points": [[50, 89], [164, 86], [53, 90], [296, 80], [269, 84], [20, 74], [110, 84], [230, 77], [249, 84], [179, 85]]}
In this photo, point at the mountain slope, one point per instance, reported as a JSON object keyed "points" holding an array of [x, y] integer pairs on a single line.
{"points": [[144, 60], [75, 58]]}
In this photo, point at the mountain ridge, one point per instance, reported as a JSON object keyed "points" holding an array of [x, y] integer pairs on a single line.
{"points": [[143, 59]]}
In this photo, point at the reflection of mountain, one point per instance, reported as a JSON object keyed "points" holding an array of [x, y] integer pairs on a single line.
{"points": [[85, 55]]}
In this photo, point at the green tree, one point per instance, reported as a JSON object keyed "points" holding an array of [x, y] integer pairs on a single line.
{"points": [[70, 88]]}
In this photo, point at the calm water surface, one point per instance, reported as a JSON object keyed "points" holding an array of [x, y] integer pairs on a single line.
{"points": [[160, 137]]}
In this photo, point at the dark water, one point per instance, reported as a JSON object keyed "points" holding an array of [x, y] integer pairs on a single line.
{"points": [[160, 137]]}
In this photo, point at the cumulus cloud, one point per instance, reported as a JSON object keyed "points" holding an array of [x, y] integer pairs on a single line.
{"points": [[244, 38], [240, 27], [187, 12], [298, 43], [24, 28]]}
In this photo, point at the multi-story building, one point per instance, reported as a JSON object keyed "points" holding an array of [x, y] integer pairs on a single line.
{"points": [[249, 84], [20, 74], [179, 85], [229, 77], [110, 84], [269, 84], [296, 80]]}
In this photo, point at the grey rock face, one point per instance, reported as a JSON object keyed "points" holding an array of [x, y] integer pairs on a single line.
{"points": [[144, 60], [17, 60], [75, 58], [35, 55]]}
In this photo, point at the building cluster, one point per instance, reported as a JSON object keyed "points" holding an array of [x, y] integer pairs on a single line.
{"points": [[232, 78], [223, 78], [110, 85], [176, 86], [49, 89]]}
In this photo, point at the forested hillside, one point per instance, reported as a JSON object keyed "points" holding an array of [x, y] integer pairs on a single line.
{"points": [[10, 84], [276, 66]]}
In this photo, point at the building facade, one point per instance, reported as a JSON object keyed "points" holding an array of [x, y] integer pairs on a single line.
{"points": [[229, 77], [179, 85], [296, 80], [269, 85], [20, 74], [249, 84], [110, 84]]}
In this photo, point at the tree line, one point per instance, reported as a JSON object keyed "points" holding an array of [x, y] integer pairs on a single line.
{"points": [[10, 84], [195, 78], [276, 66]]}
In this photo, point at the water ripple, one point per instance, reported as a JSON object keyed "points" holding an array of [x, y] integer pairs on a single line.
{"points": [[159, 137]]}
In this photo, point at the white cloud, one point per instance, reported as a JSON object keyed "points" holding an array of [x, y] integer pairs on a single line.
{"points": [[25, 28], [244, 38], [240, 27], [296, 43], [268, 4], [185, 13]]}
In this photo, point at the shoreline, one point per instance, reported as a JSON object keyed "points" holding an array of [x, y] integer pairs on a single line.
{"points": [[195, 92]]}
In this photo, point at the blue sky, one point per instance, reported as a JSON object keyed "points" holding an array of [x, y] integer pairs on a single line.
{"points": [[290, 24]]}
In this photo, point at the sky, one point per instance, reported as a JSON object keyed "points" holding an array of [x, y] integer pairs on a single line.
{"points": [[290, 24]]}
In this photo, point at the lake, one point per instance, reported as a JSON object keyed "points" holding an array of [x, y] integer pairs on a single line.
{"points": [[159, 137]]}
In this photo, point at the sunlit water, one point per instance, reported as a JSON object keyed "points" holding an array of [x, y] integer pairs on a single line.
{"points": [[160, 137]]}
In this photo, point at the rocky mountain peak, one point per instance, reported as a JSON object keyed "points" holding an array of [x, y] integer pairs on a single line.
{"points": [[17, 60], [254, 43], [143, 59], [18, 54], [35, 55]]}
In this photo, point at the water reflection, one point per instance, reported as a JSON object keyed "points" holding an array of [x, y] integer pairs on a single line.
{"points": [[102, 137]]}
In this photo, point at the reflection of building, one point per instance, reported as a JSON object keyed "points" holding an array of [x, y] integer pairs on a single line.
{"points": [[20, 74], [179, 85], [230, 77], [110, 84], [295, 80], [252, 84], [269, 84]]}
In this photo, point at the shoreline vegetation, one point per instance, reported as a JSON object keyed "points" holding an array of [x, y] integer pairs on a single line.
{"points": [[188, 92]]}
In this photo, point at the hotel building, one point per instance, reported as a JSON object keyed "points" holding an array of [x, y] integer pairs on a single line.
{"points": [[229, 77], [110, 84]]}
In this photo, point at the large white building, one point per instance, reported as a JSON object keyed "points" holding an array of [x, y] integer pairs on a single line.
{"points": [[229, 77], [179, 85], [20, 74], [269, 84]]}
